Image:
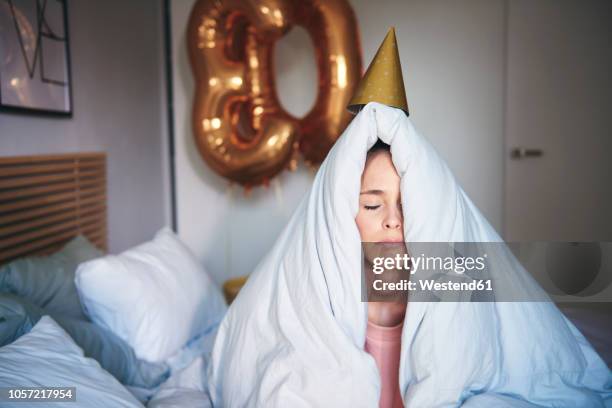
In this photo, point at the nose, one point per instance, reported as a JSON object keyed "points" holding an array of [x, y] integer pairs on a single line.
{"points": [[393, 220]]}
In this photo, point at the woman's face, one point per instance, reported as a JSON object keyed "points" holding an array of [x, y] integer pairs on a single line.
{"points": [[380, 217]]}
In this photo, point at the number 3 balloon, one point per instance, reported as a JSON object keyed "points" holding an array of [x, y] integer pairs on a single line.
{"points": [[240, 127]]}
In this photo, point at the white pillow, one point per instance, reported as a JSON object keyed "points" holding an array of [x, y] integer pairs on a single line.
{"points": [[48, 357], [155, 296]]}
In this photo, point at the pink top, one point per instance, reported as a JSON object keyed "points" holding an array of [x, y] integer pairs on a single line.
{"points": [[385, 344]]}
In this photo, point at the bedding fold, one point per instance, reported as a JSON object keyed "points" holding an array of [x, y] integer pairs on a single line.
{"points": [[295, 334]]}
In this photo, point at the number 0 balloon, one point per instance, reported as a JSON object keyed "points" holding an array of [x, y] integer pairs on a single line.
{"points": [[240, 127]]}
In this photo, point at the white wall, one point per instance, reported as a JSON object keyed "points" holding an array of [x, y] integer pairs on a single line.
{"points": [[119, 107], [453, 65]]}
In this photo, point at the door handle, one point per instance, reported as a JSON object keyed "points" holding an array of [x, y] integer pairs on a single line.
{"points": [[522, 153]]}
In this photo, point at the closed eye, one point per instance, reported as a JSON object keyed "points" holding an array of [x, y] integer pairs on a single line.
{"points": [[371, 207]]}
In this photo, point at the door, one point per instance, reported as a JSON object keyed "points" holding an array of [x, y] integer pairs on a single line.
{"points": [[558, 130]]}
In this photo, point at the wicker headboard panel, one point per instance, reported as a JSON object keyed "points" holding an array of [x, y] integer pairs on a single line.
{"points": [[47, 200]]}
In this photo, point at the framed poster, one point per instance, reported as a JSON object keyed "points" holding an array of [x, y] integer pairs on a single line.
{"points": [[35, 56]]}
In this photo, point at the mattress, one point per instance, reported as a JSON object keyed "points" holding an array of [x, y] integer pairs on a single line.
{"points": [[594, 320]]}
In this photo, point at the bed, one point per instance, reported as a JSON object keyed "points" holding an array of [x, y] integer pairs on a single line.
{"points": [[55, 204], [593, 319], [46, 200], [53, 226]]}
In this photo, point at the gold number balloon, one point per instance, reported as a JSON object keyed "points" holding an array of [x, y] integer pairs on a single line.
{"points": [[240, 127]]}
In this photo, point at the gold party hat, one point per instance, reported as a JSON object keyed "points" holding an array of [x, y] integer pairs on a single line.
{"points": [[383, 81]]}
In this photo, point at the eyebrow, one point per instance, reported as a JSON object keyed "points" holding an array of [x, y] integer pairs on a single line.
{"points": [[377, 192]]}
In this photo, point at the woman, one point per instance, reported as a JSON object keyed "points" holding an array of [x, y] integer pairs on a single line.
{"points": [[296, 334], [380, 219]]}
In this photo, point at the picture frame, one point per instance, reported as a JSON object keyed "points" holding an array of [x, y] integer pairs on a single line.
{"points": [[35, 72]]}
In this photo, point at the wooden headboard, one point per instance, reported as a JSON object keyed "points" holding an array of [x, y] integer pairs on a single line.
{"points": [[47, 200]]}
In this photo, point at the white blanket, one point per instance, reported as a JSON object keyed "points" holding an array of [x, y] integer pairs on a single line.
{"points": [[185, 388], [295, 335]]}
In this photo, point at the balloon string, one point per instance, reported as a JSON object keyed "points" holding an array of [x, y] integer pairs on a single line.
{"points": [[278, 193], [228, 239]]}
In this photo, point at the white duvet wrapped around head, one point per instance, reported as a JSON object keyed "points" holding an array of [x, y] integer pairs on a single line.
{"points": [[295, 335]]}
